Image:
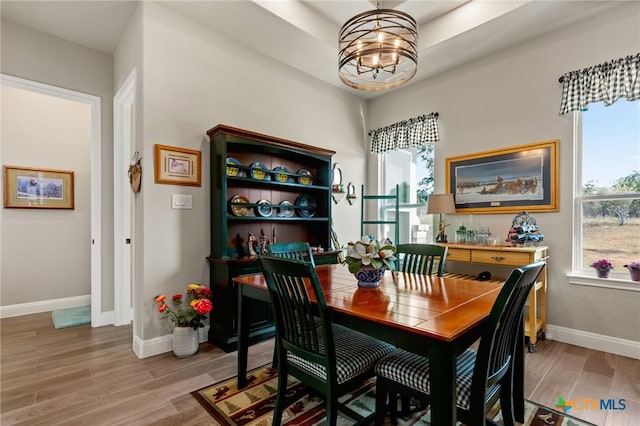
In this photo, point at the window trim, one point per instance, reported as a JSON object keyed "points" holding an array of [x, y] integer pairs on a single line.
{"points": [[613, 282], [577, 276], [382, 178], [577, 191]]}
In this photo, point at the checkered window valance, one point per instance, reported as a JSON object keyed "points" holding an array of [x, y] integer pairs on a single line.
{"points": [[405, 134], [606, 82]]}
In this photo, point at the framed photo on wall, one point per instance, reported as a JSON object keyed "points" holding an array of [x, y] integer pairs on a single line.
{"points": [[177, 166], [35, 188], [509, 180]]}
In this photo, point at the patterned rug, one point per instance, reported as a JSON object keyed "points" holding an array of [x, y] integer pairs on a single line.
{"points": [[254, 405]]}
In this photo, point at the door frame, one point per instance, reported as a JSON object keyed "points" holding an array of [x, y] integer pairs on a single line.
{"points": [[123, 125], [94, 103]]}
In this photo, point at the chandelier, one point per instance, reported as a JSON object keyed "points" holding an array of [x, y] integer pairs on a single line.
{"points": [[378, 50]]}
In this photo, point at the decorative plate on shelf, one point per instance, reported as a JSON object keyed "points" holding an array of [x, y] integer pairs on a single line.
{"points": [[233, 167], [305, 178], [281, 174], [259, 171], [237, 207], [306, 201], [264, 208], [285, 209]]}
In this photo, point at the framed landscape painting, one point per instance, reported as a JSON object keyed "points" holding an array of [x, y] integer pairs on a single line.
{"points": [[35, 188], [177, 166], [510, 180]]}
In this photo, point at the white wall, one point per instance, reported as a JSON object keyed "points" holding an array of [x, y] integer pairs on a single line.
{"points": [[38, 57], [513, 98], [46, 250], [193, 80]]}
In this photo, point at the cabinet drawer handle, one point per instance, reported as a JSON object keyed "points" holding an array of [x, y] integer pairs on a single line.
{"points": [[498, 257]]}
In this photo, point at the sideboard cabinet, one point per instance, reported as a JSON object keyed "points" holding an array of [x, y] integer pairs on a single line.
{"points": [[269, 188], [511, 257]]}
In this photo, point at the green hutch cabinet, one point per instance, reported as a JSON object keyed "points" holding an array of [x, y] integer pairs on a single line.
{"points": [[279, 188]]}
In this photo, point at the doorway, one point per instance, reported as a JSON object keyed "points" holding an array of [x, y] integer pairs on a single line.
{"points": [[95, 187]]}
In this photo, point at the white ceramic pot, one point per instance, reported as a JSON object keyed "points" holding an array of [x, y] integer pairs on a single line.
{"points": [[185, 342]]}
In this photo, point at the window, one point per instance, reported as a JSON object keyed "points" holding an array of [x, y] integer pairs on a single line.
{"points": [[607, 201], [412, 170]]}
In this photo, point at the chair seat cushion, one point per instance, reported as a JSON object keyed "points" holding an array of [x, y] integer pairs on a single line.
{"points": [[356, 354], [412, 370]]}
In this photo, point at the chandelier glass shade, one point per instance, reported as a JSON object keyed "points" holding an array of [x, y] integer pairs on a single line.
{"points": [[378, 50]]}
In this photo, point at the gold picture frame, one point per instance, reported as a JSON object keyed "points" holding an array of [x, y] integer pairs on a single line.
{"points": [[177, 166], [37, 188], [509, 180]]}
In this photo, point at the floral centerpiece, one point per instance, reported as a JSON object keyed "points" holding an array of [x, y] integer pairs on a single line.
{"points": [[369, 258], [634, 270], [191, 313], [602, 267]]}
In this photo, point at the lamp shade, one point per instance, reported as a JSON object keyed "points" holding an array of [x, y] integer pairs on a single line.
{"points": [[441, 203]]}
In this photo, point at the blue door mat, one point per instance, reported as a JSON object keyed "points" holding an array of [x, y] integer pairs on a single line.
{"points": [[64, 318]]}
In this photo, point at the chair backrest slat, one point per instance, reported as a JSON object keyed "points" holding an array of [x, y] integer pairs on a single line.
{"points": [[292, 250], [422, 258], [296, 307], [299, 308]]}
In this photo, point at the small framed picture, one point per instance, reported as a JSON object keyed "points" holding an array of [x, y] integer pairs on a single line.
{"points": [[177, 166], [35, 188]]}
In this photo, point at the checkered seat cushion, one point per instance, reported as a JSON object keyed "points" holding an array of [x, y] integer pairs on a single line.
{"points": [[412, 370], [356, 353]]}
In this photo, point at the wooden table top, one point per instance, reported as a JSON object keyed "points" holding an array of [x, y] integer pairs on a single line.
{"points": [[438, 307]]}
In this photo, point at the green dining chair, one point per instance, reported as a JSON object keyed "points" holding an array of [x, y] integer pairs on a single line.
{"points": [[293, 250], [327, 357], [421, 258], [483, 376], [290, 250]]}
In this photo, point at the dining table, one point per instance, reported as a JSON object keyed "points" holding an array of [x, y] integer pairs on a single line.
{"points": [[437, 317]]}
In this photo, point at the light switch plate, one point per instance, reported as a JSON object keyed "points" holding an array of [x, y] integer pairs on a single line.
{"points": [[181, 201]]}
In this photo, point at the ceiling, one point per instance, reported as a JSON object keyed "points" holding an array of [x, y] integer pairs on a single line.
{"points": [[303, 33]]}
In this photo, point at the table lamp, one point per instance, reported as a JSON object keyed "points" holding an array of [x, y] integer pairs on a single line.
{"points": [[441, 203]]}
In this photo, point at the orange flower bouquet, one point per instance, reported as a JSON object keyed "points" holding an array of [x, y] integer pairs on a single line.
{"points": [[193, 313]]}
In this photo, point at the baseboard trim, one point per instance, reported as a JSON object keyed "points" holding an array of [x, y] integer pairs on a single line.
{"points": [[162, 344], [105, 318], [595, 341], [43, 306]]}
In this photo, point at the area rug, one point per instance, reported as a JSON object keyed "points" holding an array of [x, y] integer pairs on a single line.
{"points": [[64, 318], [254, 405]]}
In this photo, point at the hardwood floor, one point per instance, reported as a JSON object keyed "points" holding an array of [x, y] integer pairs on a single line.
{"points": [[83, 375]]}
